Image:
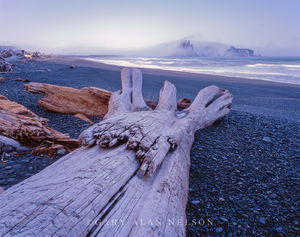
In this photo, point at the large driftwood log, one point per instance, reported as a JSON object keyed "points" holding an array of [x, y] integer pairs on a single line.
{"points": [[89, 101], [130, 179], [19, 123]]}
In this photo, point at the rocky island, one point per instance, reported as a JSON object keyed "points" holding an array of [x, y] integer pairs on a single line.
{"points": [[187, 48], [236, 52]]}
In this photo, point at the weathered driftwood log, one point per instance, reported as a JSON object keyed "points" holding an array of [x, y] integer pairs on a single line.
{"points": [[22, 125], [89, 101], [130, 180]]}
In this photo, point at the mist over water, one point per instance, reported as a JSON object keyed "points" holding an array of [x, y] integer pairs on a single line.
{"points": [[277, 69]]}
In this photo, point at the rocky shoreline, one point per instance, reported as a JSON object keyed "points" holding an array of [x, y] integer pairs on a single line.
{"points": [[243, 178]]}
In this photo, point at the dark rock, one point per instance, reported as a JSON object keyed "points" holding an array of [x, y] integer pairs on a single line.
{"points": [[11, 180], [6, 54], [4, 65], [236, 52]]}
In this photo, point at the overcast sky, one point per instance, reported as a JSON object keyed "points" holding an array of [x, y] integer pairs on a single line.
{"points": [[270, 27]]}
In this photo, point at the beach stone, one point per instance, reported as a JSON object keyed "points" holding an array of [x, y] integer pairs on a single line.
{"points": [[11, 171], [219, 229], [267, 139], [273, 195], [61, 152], [17, 166], [262, 221], [195, 202], [221, 199], [6, 54], [11, 180], [4, 65]]}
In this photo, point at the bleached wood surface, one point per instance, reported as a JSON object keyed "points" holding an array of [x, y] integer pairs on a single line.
{"points": [[131, 179]]}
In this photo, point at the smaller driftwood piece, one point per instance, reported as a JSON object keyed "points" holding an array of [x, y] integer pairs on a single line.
{"points": [[61, 99], [131, 177], [17, 123]]}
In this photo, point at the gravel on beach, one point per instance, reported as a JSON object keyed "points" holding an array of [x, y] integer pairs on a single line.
{"points": [[244, 178]]}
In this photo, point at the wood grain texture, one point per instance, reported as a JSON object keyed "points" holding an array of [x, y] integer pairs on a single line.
{"points": [[88, 101], [131, 177], [22, 125]]}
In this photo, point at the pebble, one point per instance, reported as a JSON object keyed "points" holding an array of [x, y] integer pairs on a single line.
{"points": [[273, 195], [17, 166], [195, 202], [221, 199], [10, 171], [219, 229], [61, 152], [267, 139], [223, 219], [262, 221], [11, 180]]}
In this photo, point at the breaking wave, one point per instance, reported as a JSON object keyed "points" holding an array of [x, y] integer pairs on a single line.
{"points": [[284, 70]]}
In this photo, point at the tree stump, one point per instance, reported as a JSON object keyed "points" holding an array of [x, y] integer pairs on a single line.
{"points": [[131, 176]]}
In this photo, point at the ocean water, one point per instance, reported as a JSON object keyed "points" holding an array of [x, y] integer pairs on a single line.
{"points": [[278, 69]]}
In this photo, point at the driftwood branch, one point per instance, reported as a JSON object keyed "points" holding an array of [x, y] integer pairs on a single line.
{"points": [[130, 178]]}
